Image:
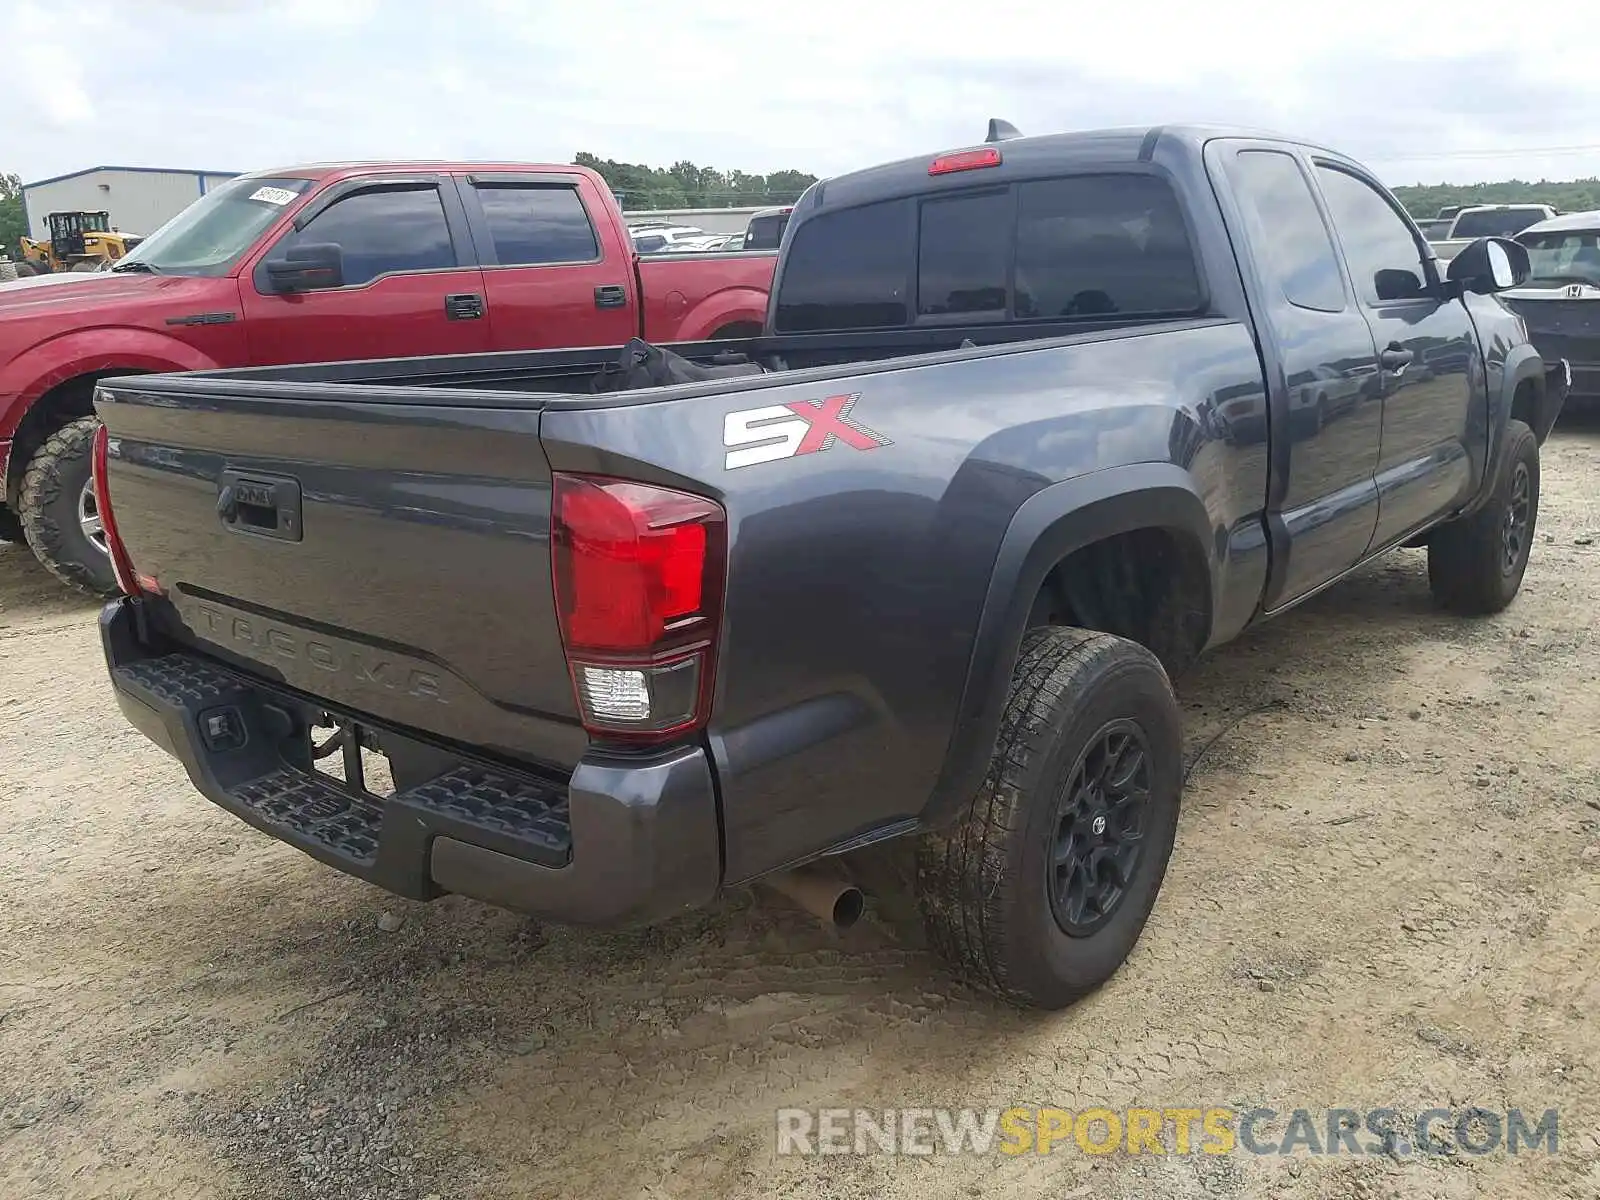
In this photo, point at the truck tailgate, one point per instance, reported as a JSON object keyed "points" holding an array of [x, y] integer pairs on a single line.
{"points": [[388, 557]]}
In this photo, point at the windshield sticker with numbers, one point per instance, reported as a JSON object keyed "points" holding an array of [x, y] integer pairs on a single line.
{"points": [[273, 195]]}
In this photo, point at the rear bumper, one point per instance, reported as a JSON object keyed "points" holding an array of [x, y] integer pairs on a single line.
{"points": [[624, 841]]}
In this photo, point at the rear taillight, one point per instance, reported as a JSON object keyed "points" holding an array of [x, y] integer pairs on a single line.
{"points": [[638, 574], [121, 564]]}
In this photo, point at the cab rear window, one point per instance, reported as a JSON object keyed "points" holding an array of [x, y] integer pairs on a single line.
{"points": [[765, 233], [1496, 222], [1099, 245], [849, 270]]}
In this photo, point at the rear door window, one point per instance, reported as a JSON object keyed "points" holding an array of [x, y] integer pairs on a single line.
{"points": [[1295, 247], [532, 226]]}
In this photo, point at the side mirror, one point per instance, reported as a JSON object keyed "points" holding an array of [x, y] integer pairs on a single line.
{"points": [[312, 267], [1489, 265]]}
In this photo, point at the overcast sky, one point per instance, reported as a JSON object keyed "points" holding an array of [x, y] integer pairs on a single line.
{"points": [[1422, 93]]}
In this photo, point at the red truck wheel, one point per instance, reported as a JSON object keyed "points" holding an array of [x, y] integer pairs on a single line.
{"points": [[1041, 890], [57, 511]]}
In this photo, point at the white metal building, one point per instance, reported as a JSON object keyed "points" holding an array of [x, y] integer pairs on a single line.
{"points": [[139, 199]]}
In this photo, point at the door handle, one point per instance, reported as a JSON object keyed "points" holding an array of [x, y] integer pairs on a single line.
{"points": [[1396, 358], [266, 505], [467, 306], [611, 295]]}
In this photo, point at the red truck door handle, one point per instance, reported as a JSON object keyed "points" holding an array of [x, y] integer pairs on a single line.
{"points": [[466, 306], [611, 295]]}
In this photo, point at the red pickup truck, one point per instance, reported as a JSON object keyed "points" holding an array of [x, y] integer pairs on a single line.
{"points": [[331, 263]]}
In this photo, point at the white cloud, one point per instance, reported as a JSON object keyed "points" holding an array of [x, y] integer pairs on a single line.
{"points": [[44, 82], [328, 14], [825, 86]]}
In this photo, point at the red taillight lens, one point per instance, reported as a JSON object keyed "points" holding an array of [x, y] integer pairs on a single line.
{"points": [[967, 160], [638, 573], [121, 564]]}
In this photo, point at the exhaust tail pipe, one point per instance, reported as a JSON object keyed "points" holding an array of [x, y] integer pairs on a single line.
{"points": [[833, 900]]}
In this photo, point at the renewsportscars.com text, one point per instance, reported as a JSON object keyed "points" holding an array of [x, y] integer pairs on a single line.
{"points": [[1024, 1129]]}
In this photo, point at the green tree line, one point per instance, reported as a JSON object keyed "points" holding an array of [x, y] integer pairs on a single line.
{"points": [[13, 217], [1425, 200], [684, 185]]}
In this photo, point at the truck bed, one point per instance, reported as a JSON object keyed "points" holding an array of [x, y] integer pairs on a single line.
{"points": [[508, 379], [421, 591]]}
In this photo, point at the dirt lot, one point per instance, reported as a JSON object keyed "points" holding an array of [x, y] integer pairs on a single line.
{"points": [[1386, 892]]}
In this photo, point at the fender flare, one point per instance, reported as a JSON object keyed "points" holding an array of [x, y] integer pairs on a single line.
{"points": [[722, 308], [1049, 526], [1523, 366], [50, 363]]}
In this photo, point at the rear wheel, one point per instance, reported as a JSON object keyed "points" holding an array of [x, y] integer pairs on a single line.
{"points": [[1041, 890], [58, 512], [1476, 564]]}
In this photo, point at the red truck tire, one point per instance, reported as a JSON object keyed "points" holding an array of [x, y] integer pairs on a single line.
{"points": [[56, 510]]}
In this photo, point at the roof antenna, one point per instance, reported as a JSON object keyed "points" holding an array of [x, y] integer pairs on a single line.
{"points": [[1001, 131]]}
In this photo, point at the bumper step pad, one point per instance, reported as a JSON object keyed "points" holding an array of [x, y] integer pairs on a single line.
{"points": [[519, 815]]}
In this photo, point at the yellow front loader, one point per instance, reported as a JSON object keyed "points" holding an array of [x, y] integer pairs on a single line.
{"points": [[79, 241]]}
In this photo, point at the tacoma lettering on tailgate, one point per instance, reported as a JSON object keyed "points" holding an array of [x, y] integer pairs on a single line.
{"points": [[264, 641]]}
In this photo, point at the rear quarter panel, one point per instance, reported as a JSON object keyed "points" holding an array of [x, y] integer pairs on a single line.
{"points": [[857, 576]]}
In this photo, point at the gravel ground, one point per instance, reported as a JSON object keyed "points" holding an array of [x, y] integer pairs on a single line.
{"points": [[1386, 892]]}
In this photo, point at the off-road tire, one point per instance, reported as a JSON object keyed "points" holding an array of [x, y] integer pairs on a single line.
{"points": [[48, 508], [1468, 567], [982, 884]]}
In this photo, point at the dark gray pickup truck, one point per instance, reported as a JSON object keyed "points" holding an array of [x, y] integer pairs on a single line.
{"points": [[1030, 426]]}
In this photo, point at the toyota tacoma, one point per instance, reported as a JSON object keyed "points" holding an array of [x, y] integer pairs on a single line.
{"points": [[597, 634]]}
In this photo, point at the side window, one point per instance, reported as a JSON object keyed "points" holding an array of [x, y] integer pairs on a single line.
{"points": [[1294, 243], [1100, 244], [848, 270], [964, 254], [382, 230], [533, 225], [1378, 244]]}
